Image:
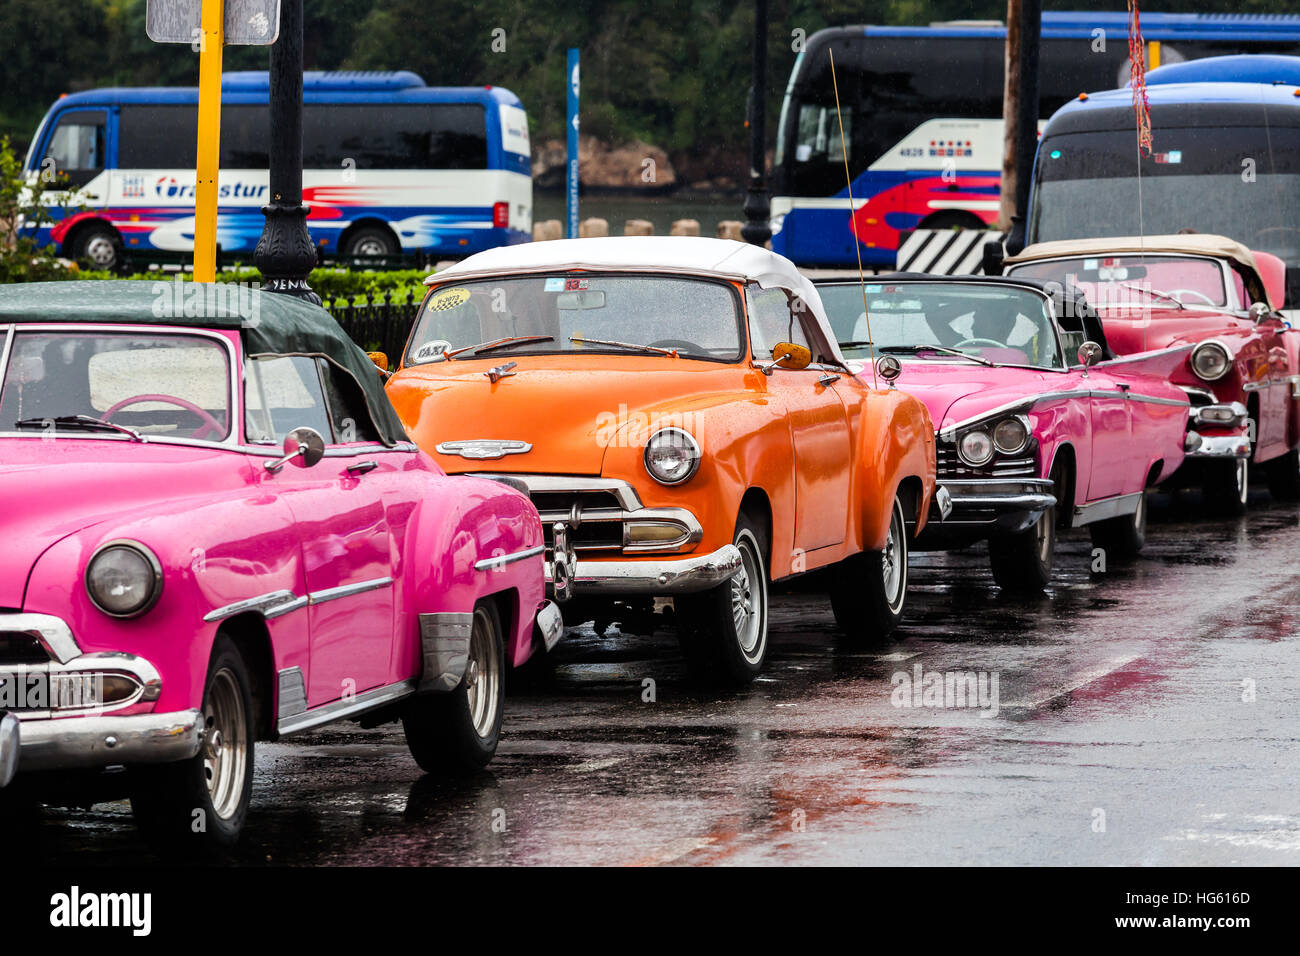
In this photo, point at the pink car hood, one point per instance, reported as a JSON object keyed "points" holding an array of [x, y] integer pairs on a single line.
{"points": [[1128, 332], [956, 391], [50, 489]]}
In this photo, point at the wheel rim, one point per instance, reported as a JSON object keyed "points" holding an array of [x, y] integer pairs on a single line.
{"points": [[1046, 522], [370, 247], [225, 744], [747, 596], [483, 676], [894, 560], [1242, 479], [101, 251]]}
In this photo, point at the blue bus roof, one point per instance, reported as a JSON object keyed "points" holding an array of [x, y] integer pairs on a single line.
{"points": [[344, 86], [1155, 26], [1242, 68]]}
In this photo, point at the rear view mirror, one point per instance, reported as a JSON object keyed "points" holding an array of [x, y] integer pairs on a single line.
{"points": [[580, 301], [1259, 311], [790, 356], [302, 446], [1089, 353]]}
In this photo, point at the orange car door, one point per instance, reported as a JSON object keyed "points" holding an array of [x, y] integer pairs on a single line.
{"points": [[820, 436]]}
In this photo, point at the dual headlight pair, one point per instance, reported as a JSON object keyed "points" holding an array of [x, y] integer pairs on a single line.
{"points": [[1010, 436], [124, 579]]}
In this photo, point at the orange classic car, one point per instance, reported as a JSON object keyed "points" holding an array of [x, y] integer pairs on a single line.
{"points": [[681, 415]]}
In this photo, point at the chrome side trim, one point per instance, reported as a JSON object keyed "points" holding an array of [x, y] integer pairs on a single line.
{"points": [[1020, 404], [53, 633], [444, 645], [1114, 507], [80, 742], [343, 709], [271, 604], [1142, 356], [1153, 400], [293, 693], [627, 497], [347, 590], [9, 747], [501, 560]]}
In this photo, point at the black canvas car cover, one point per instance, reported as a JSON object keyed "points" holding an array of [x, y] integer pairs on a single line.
{"points": [[268, 323]]}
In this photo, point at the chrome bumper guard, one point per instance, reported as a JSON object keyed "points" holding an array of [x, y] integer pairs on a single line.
{"points": [[91, 742], [1217, 446], [648, 576], [8, 748], [549, 627], [1002, 496]]}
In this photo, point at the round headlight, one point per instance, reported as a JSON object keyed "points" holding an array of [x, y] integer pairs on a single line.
{"points": [[1210, 361], [975, 448], [672, 455], [1011, 436], [124, 579]]}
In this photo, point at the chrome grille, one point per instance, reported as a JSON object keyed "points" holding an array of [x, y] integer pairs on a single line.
{"points": [[599, 517], [19, 648], [949, 465]]}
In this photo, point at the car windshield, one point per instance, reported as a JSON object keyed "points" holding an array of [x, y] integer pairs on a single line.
{"points": [[1002, 325], [1137, 281], [72, 382], [577, 313]]}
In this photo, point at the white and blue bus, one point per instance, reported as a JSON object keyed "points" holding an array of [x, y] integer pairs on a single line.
{"points": [[391, 167]]}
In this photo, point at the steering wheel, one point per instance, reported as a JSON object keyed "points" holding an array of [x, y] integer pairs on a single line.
{"points": [[676, 344], [210, 424], [1179, 293], [992, 342]]}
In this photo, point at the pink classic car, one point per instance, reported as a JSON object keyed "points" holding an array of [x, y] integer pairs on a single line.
{"points": [[216, 532], [1243, 373], [1031, 439]]}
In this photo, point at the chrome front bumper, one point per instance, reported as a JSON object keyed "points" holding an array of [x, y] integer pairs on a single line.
{"points": [[650, 575], [1217, 446], [992, 505], [8, 748], [92, 742]]}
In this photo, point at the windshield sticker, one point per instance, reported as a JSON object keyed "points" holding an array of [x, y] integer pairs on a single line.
{"points": [[554, 285], [431, 350], [448, 299], [558, 284], [1171, 158]]}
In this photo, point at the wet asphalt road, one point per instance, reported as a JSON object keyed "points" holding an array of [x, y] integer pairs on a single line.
{"points": [[1150, 715]]}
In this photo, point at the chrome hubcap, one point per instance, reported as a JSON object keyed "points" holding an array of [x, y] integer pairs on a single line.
{"points": [[100, 251], [225, 744], [747, 602], [371, 247], [483, 676]]}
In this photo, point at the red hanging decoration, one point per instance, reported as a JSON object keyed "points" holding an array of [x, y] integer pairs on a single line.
{"points": [[1137, 71]]}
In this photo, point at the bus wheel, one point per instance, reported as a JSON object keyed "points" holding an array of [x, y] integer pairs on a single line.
{"points": [[97, 243], [371, 241], [952, 219]]}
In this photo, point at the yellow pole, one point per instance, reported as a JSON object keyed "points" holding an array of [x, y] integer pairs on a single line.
{"points": [[209, 144], [1153, 57]]}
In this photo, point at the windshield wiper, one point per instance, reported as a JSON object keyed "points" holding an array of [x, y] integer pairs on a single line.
{"points": [[937, 348], [491, 344], [623, 345], [1153, 292], [79, 421]]}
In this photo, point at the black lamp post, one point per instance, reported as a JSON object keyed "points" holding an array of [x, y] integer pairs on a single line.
{"points": [[285, 254], [758, 209]]}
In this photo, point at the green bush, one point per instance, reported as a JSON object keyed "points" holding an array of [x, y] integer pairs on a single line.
{"points": [[328, 283], [24, 205]]}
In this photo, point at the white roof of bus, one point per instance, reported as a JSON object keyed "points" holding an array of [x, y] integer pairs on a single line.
{"points": [[689, 255]]}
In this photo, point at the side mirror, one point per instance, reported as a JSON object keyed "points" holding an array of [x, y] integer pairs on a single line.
{"points": [[1089, 352], [380, 359], [994, 254], [787, 355], [302, 446], [1259, 311]]}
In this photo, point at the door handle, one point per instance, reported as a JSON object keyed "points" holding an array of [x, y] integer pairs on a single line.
{"points": [[361, 467]]}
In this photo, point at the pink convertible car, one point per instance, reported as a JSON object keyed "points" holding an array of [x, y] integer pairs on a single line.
{"points": [[1039, 426], [216, 532]]}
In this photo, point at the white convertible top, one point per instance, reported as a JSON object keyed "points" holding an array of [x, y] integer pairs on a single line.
{"points": [[685, 255], [1197, 243]]}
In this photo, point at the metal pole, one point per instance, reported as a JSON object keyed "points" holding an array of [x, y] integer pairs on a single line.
{"points": [[208, 152], [758, 209], [1031, 26], [285, 254]]}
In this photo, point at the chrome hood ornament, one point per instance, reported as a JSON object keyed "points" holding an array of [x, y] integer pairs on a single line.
{"points": [[484, 449]]}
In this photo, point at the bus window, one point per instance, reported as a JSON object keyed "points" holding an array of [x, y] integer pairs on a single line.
{"points": [[157, 136], [77, 147], [414, 136]]}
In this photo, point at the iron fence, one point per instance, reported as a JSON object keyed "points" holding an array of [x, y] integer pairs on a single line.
{"points": [[376, 323]]}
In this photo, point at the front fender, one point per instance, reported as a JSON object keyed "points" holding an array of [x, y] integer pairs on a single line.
{"points": [[895, 442]]}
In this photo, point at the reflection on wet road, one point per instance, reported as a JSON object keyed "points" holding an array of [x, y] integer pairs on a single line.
{"points": [[1147, 715]]}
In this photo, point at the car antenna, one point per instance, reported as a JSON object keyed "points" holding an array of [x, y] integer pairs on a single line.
{"points": [[857, 247]]}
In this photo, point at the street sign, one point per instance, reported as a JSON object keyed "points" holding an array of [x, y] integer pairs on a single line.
{"points": [[247, 22], [571, 150]]}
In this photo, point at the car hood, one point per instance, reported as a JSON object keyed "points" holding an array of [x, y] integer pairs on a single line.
{"points": [[1129, 331], [569, 408], [53, 488], [954, 392]]}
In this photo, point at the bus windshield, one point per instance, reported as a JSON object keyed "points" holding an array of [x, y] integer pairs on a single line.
{"points": [[1240, 182], [999, 325]]}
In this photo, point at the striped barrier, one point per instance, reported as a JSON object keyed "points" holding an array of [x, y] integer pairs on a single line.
{"points": [[949, 252]]}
